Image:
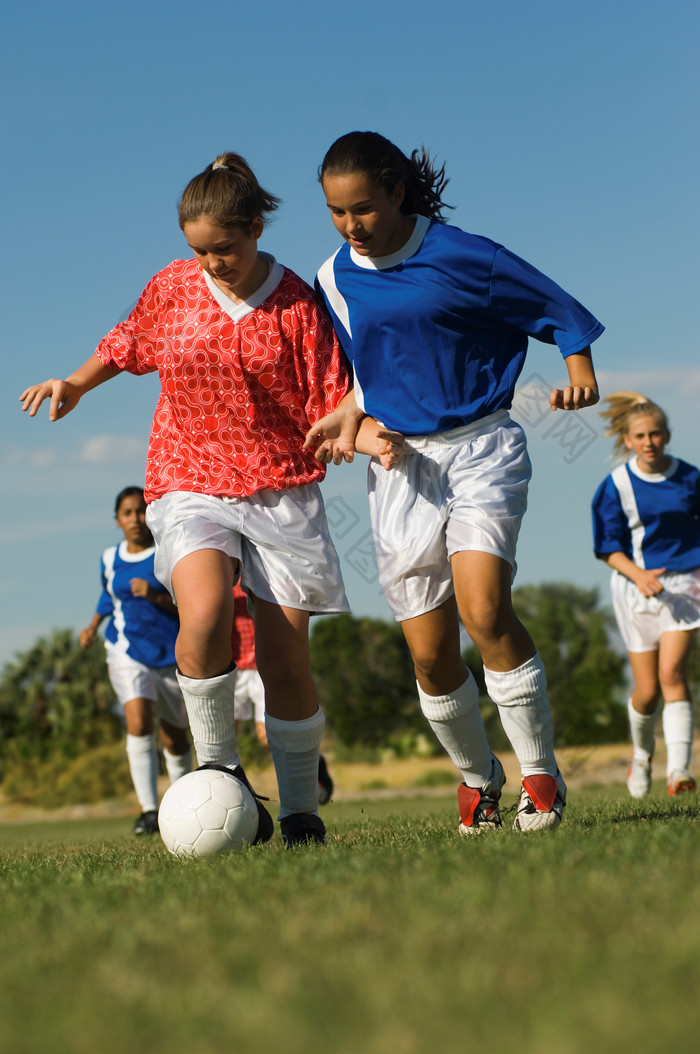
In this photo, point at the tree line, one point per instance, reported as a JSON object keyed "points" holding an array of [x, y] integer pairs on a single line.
{"points": [[56, 700]]}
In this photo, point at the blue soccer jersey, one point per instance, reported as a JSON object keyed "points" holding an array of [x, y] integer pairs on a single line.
{"points": [[136, 626], [654, 519], [437, 332]]}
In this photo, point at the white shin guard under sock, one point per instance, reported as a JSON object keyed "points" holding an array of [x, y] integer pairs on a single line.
{"points": [[295, 747], [456, 720], [209, 702], [678, 733], [177, 764], [642, 732], [521, 698], [143, 766]]}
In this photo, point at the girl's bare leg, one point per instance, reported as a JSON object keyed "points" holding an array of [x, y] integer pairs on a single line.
{"points": [[448, 694], [515, 680]]}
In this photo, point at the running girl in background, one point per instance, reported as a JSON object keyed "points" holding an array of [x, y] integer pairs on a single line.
{"points": [[140, 644], [249, 692], [436, 322], [247, 363], [646, 527]]}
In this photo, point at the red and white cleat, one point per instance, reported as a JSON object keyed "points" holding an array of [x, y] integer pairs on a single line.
{"points": [[478, 806], [541, 804], [681, 782]]}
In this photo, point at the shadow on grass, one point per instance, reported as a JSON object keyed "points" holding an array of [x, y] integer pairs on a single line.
{"points": [[653, 812]]}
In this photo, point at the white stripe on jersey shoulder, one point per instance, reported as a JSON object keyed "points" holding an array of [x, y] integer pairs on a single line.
{"points": [[134, 558], [623, 483], [238, 311], [326, 279], [339, 307], [382, 263], [108, 558]]}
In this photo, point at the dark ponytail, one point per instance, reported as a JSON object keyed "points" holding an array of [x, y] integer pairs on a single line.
{"points": [[387, 166]]}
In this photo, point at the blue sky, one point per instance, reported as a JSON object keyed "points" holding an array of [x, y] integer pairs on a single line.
{"points": [[569, 133]]}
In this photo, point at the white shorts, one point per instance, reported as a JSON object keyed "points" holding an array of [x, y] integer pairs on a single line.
{"points": [[642, 620], [249, 696], [465, 489], [132, 680], [280, 537]]}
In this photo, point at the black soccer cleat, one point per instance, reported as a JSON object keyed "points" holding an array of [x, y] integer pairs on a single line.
{"points": [[325, 783], [302, 828], [266, 827], [146, 823]]}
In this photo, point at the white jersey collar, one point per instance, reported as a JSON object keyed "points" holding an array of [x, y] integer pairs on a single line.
{"points": [[652, 477], [238, 311], [381, 263], [134, 558]]}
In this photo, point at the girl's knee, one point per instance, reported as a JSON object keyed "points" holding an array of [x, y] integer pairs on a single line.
{"points": [[489, 621]]}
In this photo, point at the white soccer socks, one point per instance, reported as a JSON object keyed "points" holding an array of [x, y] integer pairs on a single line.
{"points": [[143, 766], [209, 702], [678, 733], [456, 721], [642, 733], [521, 698], [295, 748], [177, 764]]}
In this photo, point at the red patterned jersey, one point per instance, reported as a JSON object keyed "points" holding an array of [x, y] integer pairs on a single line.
{"points": [[243, 636], [240, 384]]}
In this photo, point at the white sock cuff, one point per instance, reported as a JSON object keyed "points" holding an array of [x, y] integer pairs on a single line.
{"points": [[140, 744], [206, 686], [640, 718], [517, 687], [296, 737], [209, 702], [454, 704], [678, 720]]}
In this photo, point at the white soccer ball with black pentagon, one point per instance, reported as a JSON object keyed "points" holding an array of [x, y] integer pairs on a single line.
{"points": [[207, 812]]}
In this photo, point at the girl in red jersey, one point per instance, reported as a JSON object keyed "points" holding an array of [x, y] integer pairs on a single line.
{"points": [[247, 362]]}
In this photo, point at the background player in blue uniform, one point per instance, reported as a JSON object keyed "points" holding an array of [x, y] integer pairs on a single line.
{"points": [[436, 323], [646, 527], [140, 642]]}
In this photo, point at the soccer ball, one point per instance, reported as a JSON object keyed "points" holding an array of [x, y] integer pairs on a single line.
{"points": [[207, 812]]}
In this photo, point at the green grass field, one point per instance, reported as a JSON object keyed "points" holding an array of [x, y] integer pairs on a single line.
{"points": [[397, 937]]}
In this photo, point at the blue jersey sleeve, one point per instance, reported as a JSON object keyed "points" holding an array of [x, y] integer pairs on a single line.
{"points": [[525, 298], [611, 533]]}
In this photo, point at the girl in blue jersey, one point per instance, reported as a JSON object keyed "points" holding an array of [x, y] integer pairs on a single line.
{"points": [[436, 323], [646, 527], [140, 642]]}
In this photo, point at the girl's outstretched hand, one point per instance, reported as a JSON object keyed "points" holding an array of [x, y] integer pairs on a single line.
{"points": [[63, 395], [333, 437], [573, 397]]}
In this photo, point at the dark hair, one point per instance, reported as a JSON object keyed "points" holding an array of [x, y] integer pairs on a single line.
{"points": [[387, 166], [128, 492], [228, 191]]}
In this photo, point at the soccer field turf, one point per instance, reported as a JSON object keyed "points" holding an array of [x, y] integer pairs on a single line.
{"points": [[397, 936]]}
